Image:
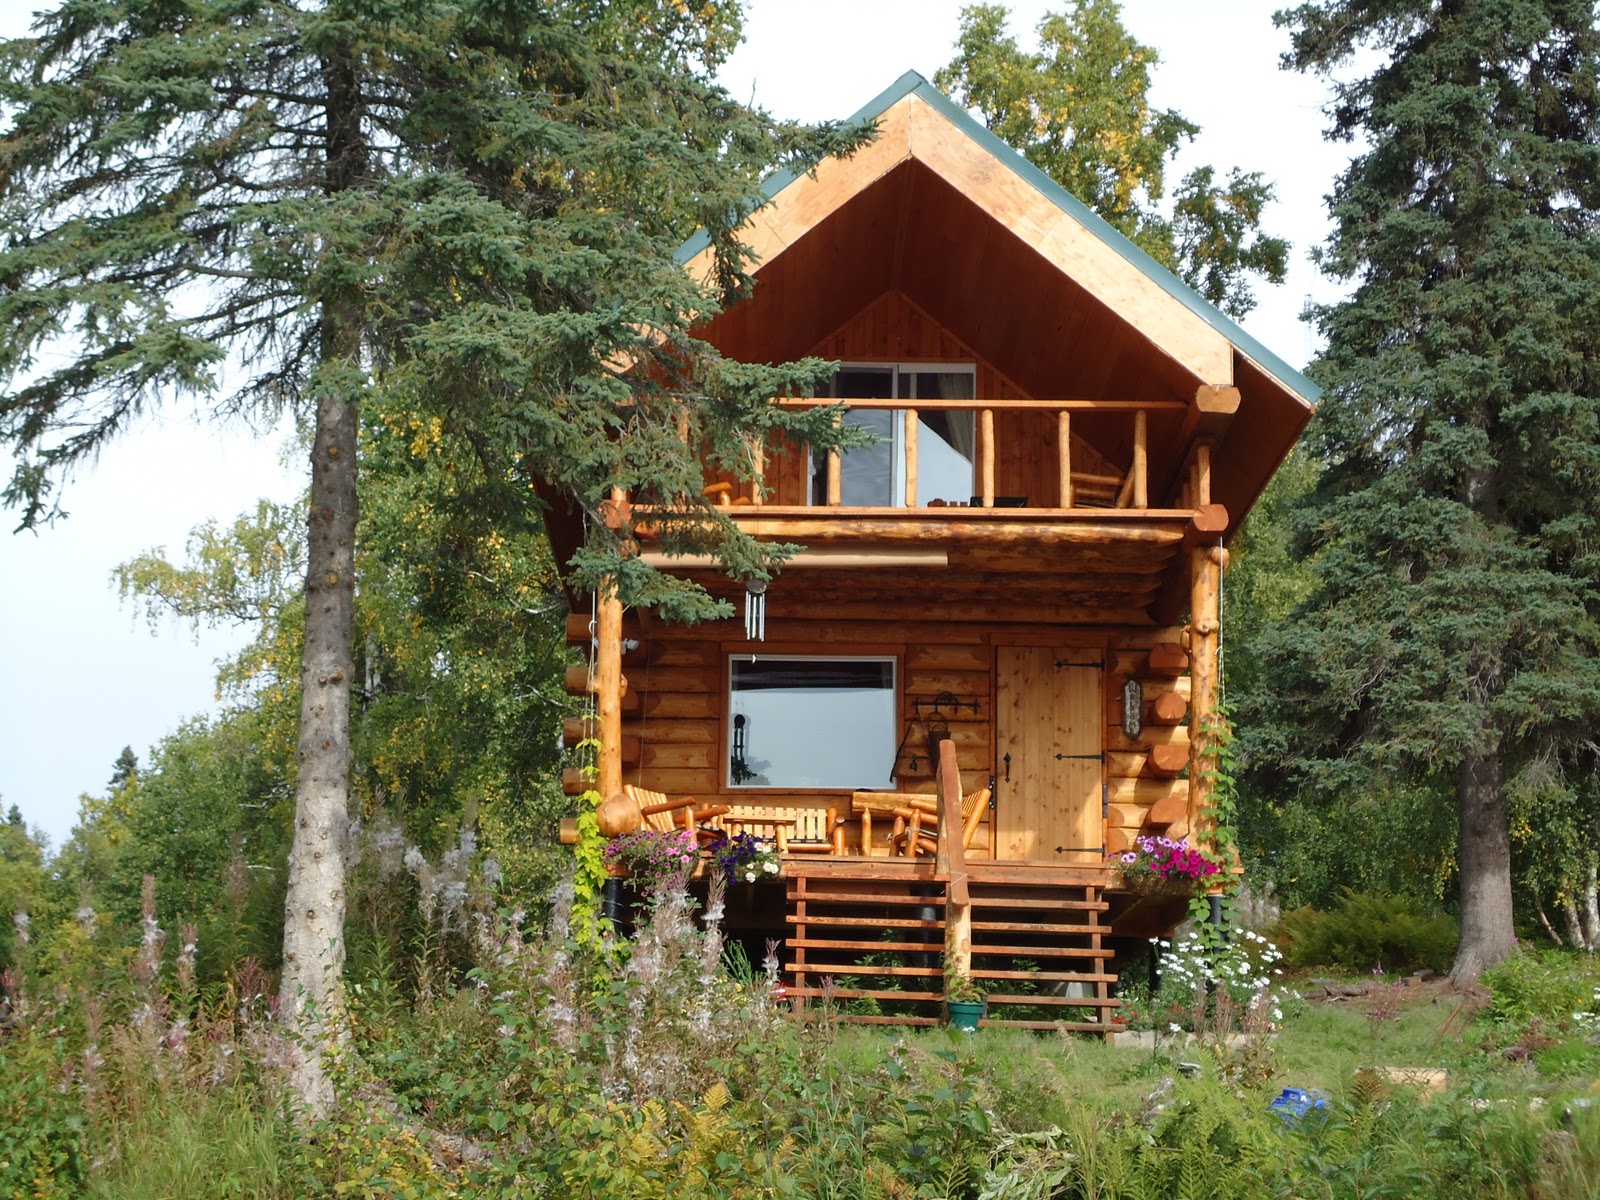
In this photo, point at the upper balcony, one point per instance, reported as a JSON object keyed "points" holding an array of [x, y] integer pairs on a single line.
{"points": [[960, 459]]}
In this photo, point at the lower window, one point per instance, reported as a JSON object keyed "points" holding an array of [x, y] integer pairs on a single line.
{"points": [[811, 722]]}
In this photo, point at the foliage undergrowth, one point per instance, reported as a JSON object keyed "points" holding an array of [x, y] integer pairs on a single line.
{"points": [[651, 1067], [1362, 932]]}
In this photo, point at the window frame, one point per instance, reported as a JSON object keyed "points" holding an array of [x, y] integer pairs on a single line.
{"points": [[895, 678]]}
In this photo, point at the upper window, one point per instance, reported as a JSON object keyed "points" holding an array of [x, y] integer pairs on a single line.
{"points": [[875, 476], [811, 722]]}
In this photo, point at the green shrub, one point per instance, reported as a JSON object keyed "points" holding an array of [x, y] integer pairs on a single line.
{"points": [[41, 1123], [1363, 932], [1541, 986]]}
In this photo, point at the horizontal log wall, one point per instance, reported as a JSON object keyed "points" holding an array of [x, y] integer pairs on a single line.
{"points": [[677, 730], [1136, 793]]}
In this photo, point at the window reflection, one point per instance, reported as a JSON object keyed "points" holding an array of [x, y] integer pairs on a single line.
{"points": [[875, 476], [811, 723]]}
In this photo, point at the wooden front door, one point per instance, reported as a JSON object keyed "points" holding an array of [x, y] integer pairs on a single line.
{"points": [[1050, 720]]}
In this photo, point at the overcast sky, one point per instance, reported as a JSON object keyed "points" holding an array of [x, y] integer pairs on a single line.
{"points": [[80, 676]]}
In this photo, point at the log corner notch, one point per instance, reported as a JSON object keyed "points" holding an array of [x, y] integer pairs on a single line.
{"points": [[950, 864], [1206, 564]]}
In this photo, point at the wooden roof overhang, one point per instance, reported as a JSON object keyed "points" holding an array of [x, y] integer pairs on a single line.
{"points": [[938, 209]]}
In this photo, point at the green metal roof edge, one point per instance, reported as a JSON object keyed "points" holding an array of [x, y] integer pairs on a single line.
{"points": [[778, 180], [913, 82]]}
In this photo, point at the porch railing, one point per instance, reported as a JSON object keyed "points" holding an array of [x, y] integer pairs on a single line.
{"points": [[1130, 489]]}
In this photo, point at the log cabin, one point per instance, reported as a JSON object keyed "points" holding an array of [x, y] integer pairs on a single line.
{"points": [[1011, 599]]}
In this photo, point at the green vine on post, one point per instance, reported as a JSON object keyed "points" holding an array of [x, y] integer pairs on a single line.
{"points": [[1222, 809], [589, 877]]}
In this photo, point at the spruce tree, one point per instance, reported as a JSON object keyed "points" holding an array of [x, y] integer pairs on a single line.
{"points": [[467, 207], [1452, 634], [125, 768]]}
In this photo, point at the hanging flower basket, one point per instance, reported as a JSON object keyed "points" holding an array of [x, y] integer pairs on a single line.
{"points": [[1163, 867], [1153, 886]]}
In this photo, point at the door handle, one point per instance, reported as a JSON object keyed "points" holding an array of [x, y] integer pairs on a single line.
{"points": [[1007, 761]]}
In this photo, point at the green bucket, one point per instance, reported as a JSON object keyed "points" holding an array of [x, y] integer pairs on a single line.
{"points": [[965, 1014]]}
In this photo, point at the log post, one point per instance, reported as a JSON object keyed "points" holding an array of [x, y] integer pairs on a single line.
{"points": [[950, 862], [608, 687], [1205, 580], [988, 458], [911, 458], [1064, 455], [1141, 459], [1202, 474]]}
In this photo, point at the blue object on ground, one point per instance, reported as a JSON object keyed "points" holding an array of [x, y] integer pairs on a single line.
{"points": [[1293, 1104]]}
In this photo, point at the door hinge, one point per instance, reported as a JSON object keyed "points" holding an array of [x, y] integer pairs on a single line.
{"points": [[1098, 666], [1105, 801], [1100, 850], [1096, 757]]}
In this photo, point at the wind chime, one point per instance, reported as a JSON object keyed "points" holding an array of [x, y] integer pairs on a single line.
{"points": [[755, 610]]}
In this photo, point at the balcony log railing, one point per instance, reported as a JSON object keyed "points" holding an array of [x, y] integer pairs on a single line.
{"points": [[1129, 490]]}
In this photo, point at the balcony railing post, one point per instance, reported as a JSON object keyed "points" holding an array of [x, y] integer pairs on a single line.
{"points": [[911, 458], [835, 463], [1141, 490], [988, 458], [1064, 454]]}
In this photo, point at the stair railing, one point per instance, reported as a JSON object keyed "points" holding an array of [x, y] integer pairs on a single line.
{"points": [[950, 862]]}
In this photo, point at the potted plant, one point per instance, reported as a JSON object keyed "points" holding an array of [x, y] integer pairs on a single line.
{"points": [[963, 1000], [744, 858]]}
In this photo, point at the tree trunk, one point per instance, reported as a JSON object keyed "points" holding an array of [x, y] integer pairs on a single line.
{"points": [[1544, 920], [1487, 936], [1569, 909], [1591, 909], [310, 998]]}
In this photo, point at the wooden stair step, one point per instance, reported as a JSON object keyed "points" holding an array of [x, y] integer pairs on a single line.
{"points": [[1061, 1001], [867, 898], [862, 993], [1033, 927], [812, 968], [857, 923], [1052, 976], [890, 947], [1040, 905], [980, 948]]}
